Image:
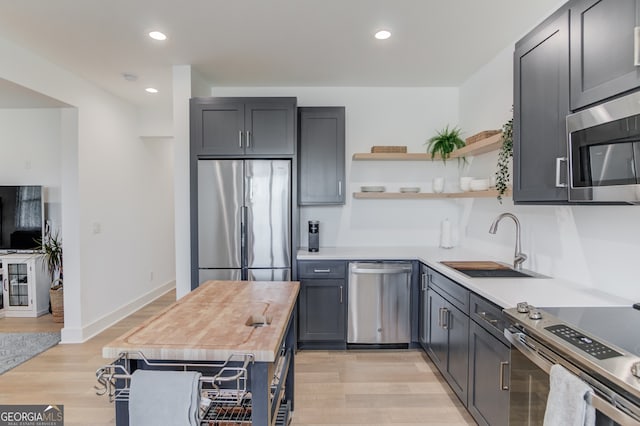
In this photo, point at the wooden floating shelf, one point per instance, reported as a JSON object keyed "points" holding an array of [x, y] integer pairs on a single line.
{"points": [[483, 146], [491, 193]]}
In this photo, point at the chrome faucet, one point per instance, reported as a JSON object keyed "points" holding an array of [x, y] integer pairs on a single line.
{"points": [[518, 256]]}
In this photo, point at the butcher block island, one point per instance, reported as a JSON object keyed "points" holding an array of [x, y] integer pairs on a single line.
{"points": [[234, 340]]}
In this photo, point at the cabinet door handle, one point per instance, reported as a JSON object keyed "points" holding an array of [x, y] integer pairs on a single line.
{"points": [[240, 138], [503, 386], [559, 160], [423, 284], [440, 317], [248, 139], [340, 188], [636, 46], [6, 281], [322, 271], [445, 319], [340, 294]]}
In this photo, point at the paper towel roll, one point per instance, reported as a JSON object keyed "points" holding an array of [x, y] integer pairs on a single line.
{"points": [[445, 234]]}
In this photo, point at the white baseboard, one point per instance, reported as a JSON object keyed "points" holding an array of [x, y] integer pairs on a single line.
{"points": [[82, 334]]}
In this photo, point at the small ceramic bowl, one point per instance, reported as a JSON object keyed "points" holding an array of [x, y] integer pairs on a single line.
{"points": [[479, 184]]}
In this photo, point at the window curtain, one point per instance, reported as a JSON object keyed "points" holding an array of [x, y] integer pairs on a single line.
{"points": [[28, 211]]}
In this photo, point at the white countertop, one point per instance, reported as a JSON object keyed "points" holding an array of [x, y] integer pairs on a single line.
{"points": [[505, 292]]}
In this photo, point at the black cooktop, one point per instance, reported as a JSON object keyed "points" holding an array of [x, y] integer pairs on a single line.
{"points": [[617, 325]]}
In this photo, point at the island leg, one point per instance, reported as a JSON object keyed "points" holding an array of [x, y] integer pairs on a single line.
{"points": [[260, 405]]}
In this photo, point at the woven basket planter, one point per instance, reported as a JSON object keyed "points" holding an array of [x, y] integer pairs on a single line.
{"points": [[57, 304]]}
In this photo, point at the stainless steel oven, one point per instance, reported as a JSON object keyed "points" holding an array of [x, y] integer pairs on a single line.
{"points": [[604, 152], [539, 340]]}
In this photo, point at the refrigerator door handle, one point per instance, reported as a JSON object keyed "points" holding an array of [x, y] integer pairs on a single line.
{"points": [[250, 185], [243, 234]]}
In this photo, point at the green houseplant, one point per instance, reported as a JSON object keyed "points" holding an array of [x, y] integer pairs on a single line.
{"points": [[444, 143], [50, 247], [503, 175]]}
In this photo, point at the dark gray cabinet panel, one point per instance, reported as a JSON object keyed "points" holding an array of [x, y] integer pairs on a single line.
{"points": [[457, 324], [423, 307], [488, 378], [437, 336], [541, 104], [243, 126], [270, 127], [448, 342], [602, 50], [451, 290], [217, 127], [322, 310], [321, 156], [322, 304]]}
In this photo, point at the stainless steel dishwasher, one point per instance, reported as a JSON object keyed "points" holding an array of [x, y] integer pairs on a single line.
{"points": [[379, 303]]}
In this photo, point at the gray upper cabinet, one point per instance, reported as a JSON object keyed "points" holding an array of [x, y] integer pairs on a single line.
{"points": [[321, 155], [541, 104], [602, 50], [243, 126]]}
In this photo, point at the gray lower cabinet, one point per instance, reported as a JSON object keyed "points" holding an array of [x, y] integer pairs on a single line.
{"points": [[541, 104], [243, 126], [322, 304], [489, 357], [423, 304], [321, 155], [602, 49], [448, 332]]}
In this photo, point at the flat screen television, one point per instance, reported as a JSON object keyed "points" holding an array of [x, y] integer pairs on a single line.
{"points": [[21, 217]]}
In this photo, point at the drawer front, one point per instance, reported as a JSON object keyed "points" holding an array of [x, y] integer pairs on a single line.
{"points": [[452, 291], [322, 269], [488, 316]]}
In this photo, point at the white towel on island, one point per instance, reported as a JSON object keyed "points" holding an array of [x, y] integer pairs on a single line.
{"points": [[164, 398], [567, 403]]}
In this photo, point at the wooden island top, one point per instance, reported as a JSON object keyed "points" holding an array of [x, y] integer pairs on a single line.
{"points": [[210, 323]]}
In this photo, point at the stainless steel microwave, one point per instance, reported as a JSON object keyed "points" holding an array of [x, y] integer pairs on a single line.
{"points": [[604, 152]]}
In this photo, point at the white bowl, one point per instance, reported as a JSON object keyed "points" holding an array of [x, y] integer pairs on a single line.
{"points": [[372, 188], [410, 189], [479, 184], [465, 181]]}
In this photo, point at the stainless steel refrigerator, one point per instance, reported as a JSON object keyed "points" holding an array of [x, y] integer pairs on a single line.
{"points": [[244, 220]]}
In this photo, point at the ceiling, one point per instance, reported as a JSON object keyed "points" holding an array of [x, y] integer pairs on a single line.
{"points": [[269, 42]]}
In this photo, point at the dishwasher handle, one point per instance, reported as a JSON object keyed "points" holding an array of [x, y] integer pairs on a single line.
{"points": [[403, 270]]}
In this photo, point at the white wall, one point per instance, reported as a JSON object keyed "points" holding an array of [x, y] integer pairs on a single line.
{"points": [[113, 182], [596, 246], [380, 116], [31, 154]]}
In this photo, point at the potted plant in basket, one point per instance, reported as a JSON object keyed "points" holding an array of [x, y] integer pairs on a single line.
{"points": [[51, 248], [444, 143]]}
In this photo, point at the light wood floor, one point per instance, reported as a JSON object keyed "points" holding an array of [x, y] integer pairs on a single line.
{"points": [[332, 387]]}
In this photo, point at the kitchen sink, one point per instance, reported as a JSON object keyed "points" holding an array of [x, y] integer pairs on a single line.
{"points": [[489, 269], [494, 273]]}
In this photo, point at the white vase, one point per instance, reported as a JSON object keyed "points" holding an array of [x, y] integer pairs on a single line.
{"points": [[438, 185]]}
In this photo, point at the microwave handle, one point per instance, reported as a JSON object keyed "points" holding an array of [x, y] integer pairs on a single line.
{"points": [[559, 161]]}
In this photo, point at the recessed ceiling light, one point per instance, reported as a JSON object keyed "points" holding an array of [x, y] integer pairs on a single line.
{"points": [[383, 35], [151, 90], [157, 35]]}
